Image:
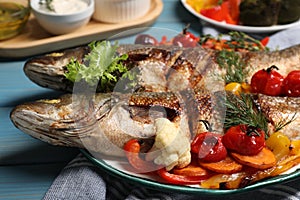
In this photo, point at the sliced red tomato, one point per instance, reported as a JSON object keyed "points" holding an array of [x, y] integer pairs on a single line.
{"points": [[267, 81], [291, 84], [180, 179], [244, 139], [209, 147]]}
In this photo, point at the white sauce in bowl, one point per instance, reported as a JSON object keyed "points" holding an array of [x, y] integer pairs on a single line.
{"points": [[65, 6]]}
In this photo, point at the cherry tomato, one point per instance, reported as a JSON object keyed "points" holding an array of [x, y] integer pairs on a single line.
{"points": [[186, 39], [291, 84], [145, 39], [209, 147], [267, 81], [245, 140]]}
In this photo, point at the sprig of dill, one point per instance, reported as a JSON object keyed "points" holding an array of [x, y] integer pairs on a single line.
{"points": [[100, 67]]}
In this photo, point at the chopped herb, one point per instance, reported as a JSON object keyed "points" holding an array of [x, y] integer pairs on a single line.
{"points": [[240, 40], [236, 70], [104, 66], [48, 4]]}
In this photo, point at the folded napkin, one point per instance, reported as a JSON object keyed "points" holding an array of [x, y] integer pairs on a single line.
{"points": [[80, 179]]}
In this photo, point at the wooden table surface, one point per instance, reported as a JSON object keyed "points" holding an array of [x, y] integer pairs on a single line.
{"points": [[27, 165]]}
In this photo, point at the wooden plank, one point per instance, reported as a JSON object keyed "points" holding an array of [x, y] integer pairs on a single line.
{"points": [[27, 181], [17, 147]]}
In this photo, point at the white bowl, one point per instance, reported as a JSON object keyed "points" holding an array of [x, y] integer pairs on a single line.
{"points": [[117, 11], [62, 23]]}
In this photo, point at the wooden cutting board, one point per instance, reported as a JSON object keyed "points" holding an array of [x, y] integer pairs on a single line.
{"points": [[35, 40]]}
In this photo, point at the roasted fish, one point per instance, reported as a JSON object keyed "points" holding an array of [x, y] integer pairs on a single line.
{"points": [[104, 122], [162, 68]]}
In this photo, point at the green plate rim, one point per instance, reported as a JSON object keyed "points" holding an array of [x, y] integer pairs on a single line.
{"points": [[186, 189]]}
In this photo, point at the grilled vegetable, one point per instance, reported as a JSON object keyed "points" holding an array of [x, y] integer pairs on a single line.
{"points": [[209, 147], [259, 12], [289, 11], [291, 84], [267, 81], [245, 140]]}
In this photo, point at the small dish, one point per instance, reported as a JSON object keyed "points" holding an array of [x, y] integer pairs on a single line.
{"points": [[14, 15], [117, 11], [62, 17]]}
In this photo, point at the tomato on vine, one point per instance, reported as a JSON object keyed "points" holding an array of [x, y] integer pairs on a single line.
{"points": [[244, 139], [209, 147], [267, 81]]}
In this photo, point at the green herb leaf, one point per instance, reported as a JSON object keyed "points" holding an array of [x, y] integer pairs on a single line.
{"points": [[236, 70], [104, 65]]}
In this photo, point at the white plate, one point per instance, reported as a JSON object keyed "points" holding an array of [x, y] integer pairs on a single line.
{"points": [[121, 168], [249, 29]]}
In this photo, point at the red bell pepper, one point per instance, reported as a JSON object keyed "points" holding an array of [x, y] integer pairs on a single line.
{"points": [[180, 179], [265, 41], [214, 13], [132, 150], [234, 10], [227, 11]]}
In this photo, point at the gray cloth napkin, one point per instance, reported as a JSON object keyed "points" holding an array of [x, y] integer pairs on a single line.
{"points": [[80, 179]]}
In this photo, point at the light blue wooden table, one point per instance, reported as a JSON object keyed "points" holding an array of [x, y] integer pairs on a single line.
{"points": [[29, 166]]}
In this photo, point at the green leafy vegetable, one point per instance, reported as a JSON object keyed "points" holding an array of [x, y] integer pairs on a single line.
{"points": [[101, 66]]}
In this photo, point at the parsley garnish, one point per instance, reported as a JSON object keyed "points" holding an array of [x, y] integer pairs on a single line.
{"points": [[101, 66]]}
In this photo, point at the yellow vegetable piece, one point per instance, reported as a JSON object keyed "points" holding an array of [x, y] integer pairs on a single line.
{"points": [[246, 88], [295, 147], [202, 4], [234, 87], [279, 144], [232, 181]]}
